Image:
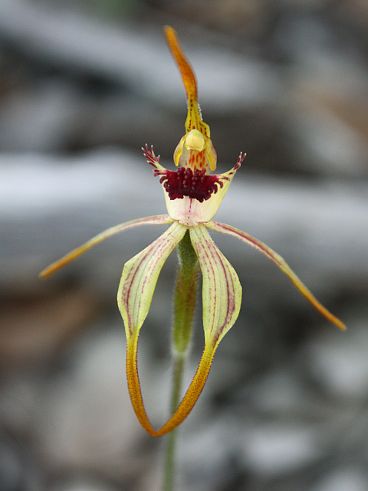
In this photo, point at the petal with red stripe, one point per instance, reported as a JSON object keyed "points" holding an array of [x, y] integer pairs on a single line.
{"points": [[282, 264], [106, 234]]}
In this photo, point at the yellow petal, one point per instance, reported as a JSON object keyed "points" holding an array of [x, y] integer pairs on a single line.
{"points": [[117, 229], [221, 289], [281, 263]]}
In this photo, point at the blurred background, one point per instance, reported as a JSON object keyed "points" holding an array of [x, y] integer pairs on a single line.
{"points": [[83, 84]]}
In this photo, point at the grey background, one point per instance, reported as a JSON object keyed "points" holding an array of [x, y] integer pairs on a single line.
{"points": [[83, 85]]}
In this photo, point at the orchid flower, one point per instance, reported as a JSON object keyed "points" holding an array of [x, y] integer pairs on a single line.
{"points": [[193, 195]]}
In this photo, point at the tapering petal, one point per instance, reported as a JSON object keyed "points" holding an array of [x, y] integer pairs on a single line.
{"points": [[281, 263], [140, 275], [221, 289], [117, 229]]}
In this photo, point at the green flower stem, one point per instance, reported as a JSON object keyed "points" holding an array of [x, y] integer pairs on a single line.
{"points": [[184, 306]]}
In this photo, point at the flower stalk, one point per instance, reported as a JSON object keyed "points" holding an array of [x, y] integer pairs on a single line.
{"points": [[184, 307], [171, 439], [185, 296]]}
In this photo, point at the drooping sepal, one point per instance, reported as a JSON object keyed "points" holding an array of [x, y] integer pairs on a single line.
{"points": [[135, 293], [221, 303], [140, 275], [186, 404], [221, 289]]}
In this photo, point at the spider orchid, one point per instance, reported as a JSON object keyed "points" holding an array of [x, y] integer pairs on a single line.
{"points": [[193, 195]]}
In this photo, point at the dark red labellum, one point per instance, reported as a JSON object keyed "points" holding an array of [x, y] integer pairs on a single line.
{"points": [[185, 182]]}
